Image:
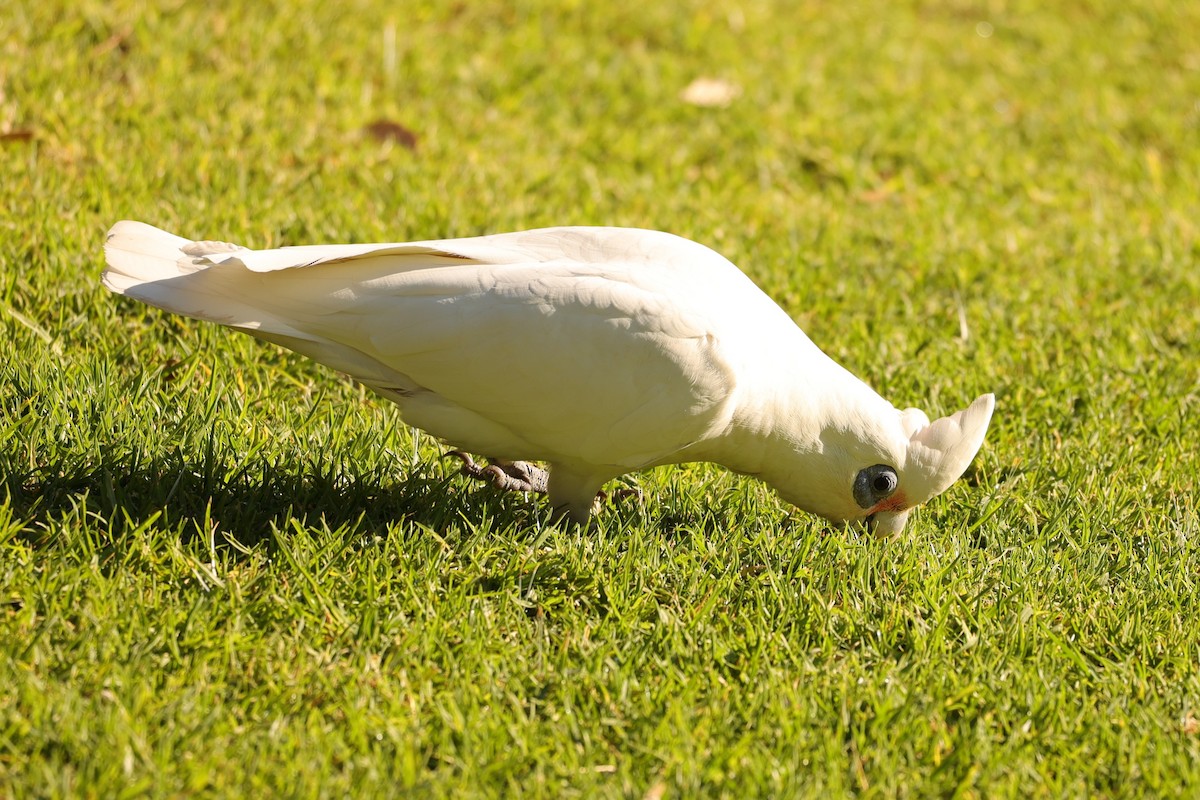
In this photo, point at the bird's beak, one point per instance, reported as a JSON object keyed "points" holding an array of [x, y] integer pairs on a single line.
{"points": [[886, 524]]}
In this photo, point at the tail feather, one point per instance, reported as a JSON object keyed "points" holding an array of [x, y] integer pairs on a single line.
{"points": [[174, 274], [178, 275], [137, 253]]}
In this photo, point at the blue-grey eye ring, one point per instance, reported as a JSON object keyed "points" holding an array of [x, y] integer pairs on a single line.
{"points": [[874, 484]]}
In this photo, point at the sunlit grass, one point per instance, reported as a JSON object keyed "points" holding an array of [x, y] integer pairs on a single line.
{"points": [[227, 571]]}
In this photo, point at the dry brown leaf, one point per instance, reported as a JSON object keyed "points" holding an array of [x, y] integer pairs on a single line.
{"points": [[710, 92], [17, 135], [385, 130]]}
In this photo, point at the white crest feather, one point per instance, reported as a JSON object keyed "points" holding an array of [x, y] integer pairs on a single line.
{"points": [[939, 453]]}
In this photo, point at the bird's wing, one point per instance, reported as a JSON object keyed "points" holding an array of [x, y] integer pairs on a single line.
{"points": [[586, 245], [599, 345], [579, 345]]}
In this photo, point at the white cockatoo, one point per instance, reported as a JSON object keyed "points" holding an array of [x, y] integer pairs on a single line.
{"points": [[600, 351]]}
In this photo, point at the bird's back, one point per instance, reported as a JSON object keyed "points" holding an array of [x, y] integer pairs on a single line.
{"points": [[604, 345]]}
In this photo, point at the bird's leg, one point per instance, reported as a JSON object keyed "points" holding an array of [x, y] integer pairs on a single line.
{"points": [[570, 500], [509, 476]]}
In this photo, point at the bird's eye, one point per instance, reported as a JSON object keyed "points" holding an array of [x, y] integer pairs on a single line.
{"points": [[874, 484]]}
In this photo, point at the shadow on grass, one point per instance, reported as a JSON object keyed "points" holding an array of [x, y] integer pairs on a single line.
{"points": [[246, 502], [98, 511]]}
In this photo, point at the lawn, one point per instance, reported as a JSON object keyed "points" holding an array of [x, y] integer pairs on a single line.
{"points": [[228, 572]]}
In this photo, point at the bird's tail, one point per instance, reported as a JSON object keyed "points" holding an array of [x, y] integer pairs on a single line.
{"points": [[185, 277], [209, 281], [138, 253]]}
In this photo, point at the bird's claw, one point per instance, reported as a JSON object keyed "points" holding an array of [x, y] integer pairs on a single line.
{"points": [[510, 476], [521, 476]]}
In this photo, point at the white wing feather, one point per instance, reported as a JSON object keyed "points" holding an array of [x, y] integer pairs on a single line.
{"points": [[600, 346]]}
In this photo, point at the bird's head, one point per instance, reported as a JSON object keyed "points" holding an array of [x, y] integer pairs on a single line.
{"points": [[874, 470]]}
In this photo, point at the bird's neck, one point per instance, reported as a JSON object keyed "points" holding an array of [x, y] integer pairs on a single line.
{"points": [[786, 419]]}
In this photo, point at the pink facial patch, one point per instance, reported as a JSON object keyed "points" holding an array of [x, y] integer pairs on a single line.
{"points": [[897, 502]]}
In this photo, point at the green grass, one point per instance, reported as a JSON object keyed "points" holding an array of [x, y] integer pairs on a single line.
{"points": [[225, 571]]}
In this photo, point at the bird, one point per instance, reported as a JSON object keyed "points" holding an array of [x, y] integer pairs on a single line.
{"points": [[597, 351]]}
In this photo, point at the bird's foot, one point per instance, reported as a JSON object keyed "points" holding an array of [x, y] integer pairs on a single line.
{"points": [[509, 476]]}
